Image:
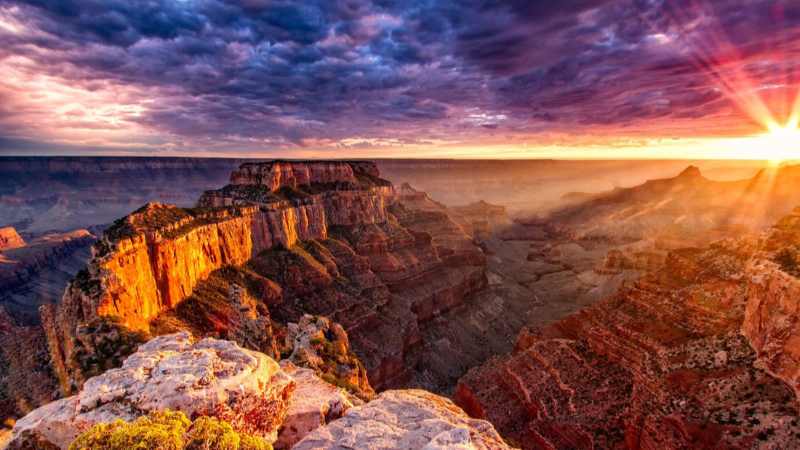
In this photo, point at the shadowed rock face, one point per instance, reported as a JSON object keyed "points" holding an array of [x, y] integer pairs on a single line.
{"points": [[325, 238], [35, 273], [697, 354]]}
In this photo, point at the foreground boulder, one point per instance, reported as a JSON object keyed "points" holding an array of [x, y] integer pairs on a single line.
{"points": [[315, 403], [408, 419], [209, 377]]}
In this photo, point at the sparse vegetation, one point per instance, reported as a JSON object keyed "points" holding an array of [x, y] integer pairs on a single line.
{"points": [[788, 260], [167, 430], [103, 344]]}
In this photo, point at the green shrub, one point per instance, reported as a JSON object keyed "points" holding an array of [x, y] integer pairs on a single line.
{"points": [[158, 431], [167, 430]]}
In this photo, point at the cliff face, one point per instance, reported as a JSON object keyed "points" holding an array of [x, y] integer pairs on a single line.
{"points": [[278, 174], [700, 353], [772, 315], [323, 238], [9, 238]]}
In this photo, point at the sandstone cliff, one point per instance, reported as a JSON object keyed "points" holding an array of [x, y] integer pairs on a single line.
{"points": [[10, 239], [325, 238]]}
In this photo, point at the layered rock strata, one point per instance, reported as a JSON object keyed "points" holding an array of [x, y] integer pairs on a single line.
{"points": [[697, 354], [325, 238], [314, 404]]}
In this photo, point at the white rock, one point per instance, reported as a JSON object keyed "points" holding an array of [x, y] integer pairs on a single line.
{"points": [[407, 419], [209, 377]]}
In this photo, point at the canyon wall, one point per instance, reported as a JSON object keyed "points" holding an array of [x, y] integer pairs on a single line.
{"points": [[152, 260], [325, 238], [9, 238], [699, 353]]}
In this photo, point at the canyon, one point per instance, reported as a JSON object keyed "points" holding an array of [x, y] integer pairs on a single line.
{"points": [[696, 354], [323, 238], [656, 316]]}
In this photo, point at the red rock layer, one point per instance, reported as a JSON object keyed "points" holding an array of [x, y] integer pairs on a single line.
{"points": [[278, 174], [659, 365], [326, 238], [10, 239]]}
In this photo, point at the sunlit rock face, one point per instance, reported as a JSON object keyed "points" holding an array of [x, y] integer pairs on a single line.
{"points": [[208, 377], [322, 238], [409, 419], [772, 316], [9, 238], [280, 174], [26, 380], [699, 353]]}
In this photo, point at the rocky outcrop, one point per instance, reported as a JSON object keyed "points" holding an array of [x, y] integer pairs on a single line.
{"points": [[10, 239], [37, 272], [200, 378], [315, 403], [482, 219], [409, 419], [772, 315], [295, 174]]}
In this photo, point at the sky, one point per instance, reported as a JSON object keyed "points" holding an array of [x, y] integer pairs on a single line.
{"points": [[382, 78]]}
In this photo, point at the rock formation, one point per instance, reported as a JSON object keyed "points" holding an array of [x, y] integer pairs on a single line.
{"points": [[410, 419], [36, 272], [10, 239], [697, 354], [314, 404], [324, 238], [203, 378]]}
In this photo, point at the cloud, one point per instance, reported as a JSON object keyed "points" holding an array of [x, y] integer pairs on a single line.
{"points": [[283, 74]]}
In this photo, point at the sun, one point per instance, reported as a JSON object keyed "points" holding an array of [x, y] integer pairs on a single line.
{"points": [[780, 144]]}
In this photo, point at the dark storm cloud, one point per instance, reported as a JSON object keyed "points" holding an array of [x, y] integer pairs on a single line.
{"points": [[293, 71]]}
